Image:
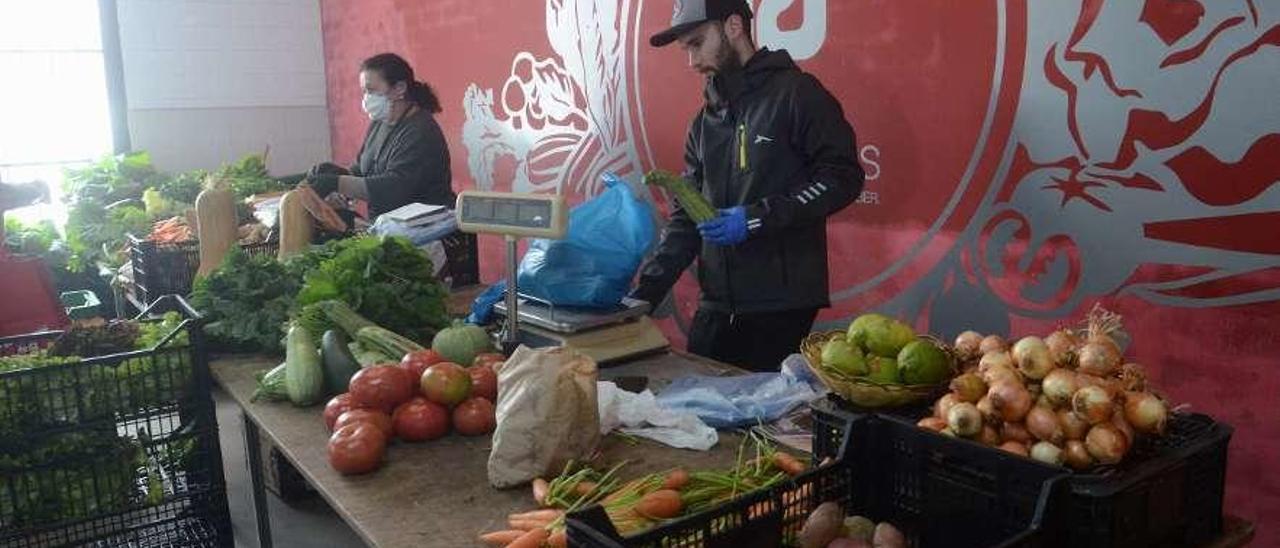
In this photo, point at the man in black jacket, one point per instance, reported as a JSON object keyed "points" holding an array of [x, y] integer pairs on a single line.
{"points": [[771, 150]]}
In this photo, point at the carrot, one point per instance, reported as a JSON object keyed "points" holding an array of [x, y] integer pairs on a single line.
{"points": [[500, 538], [585, 488], [787, 463], [549, 514], [540, 488], [531, 539], [660, 504], [676, 479], [558, 539], [527, 524]]}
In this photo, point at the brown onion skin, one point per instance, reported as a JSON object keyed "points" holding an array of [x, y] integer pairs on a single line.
{"points": [[1106, 444], [944, 405], [1043, 424], [1073, 427], [988, 436], [1076, 455], [1092, 404], [1145, 412], [1012, 401], [1014, 447], [932, 423], [1097, 359], [992, 343], [1059, 385], [1015, 431]]}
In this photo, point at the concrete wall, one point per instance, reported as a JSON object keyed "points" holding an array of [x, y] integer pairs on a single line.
{"points": [[210, 81]]}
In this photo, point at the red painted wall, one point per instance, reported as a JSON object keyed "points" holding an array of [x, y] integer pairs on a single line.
{"points": [[1026, 160]]}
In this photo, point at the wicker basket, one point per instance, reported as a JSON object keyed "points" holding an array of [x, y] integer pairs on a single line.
{"points": [[861, 392]]}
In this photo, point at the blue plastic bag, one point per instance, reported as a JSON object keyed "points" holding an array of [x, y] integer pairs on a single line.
{"points": [[608, 237], [743, 400]]}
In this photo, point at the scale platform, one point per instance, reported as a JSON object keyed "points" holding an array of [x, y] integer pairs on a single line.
{"points": [[609, 336]]}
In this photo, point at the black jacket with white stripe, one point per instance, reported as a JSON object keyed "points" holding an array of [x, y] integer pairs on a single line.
{"points": [[772, 139]]}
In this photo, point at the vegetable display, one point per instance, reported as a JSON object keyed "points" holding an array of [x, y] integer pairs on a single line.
{"points": [[641, 503], [387, 280], [246, 301], [1067, 398]]}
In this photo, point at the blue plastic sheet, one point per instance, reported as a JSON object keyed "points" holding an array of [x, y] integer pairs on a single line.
{"points": [[593, 266], [725, 402]]}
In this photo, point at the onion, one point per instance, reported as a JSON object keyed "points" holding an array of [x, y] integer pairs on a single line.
{"points": [[1043, 402], [1059, 385], [1076, 455], [993, 359], [1098, 359], [988, 436], [1047, 453], [1133, 378], [964, 419], [1032, 357], [1092, 404], [1111, 386], [1015, 431], [944, 404], [932, 423], [1146, 412], [1121, 424], [1073, 427], [1014, 447], [1106, 444], [968, 387], [1010, 400], [1043, 424], [1001, 373], [988, 412], [1062, 347], [968, 345], [948, 432], [992, 343]]}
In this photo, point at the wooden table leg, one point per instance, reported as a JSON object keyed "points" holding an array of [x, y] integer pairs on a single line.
{"points": [[253, 449]]}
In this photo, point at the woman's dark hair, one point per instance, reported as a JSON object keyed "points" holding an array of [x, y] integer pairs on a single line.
{"points": [[395, 69]]}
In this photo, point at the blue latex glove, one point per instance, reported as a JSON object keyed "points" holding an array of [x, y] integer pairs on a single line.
{"points": [[730, 228]]}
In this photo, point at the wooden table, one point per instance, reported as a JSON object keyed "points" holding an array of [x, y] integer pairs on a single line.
{"points": [[435, 493]]}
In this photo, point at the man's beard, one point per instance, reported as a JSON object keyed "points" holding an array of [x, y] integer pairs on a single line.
{"points": [[727, 61]]}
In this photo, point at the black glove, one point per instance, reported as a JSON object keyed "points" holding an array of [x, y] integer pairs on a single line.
{"points": [[324, 168], [324, 183]]}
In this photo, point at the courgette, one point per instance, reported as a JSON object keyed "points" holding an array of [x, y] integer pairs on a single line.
{"points": [[339, 364], [692, 201], [271, 385], [304, 377]]}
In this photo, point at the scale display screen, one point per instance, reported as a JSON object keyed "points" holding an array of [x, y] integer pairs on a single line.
{"points": [[535, 215]]}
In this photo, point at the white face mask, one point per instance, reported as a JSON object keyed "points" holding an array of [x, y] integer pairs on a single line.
{"points": [[377, 106]]}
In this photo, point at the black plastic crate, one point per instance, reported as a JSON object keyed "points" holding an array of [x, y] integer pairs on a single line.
{"points": [[107, 450], [463, 255], [1169, 491], [937, 491], [170, 269]]}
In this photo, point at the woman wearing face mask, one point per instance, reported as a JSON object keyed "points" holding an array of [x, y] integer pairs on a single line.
{"points": [[404, 158]]}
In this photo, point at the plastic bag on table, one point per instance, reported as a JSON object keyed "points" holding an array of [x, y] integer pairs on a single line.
{"points": [[724, 402], [642, 416], [547, 414], [608, 237]]}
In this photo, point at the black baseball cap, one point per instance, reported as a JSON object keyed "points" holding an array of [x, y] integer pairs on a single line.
{"points": [[691, 13]]}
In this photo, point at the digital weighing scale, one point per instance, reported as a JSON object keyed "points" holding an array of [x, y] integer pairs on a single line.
{"points": [[608, 336]]}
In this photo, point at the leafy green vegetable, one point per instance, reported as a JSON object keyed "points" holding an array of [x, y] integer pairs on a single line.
{"points": [[387, 280], [150, 333], [183, 187], [248, 176], [246, 301], [96, 339]]}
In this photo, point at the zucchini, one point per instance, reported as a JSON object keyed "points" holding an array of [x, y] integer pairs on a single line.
{"points": [[692, 201], [303, 376], [271, 385], [339, 364]]}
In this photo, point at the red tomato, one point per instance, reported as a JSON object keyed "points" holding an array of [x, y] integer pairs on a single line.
{"points": [[371, 416], [336, 407], [446, 383], [474, 417], [383, 387], [357, 448], [491, 359], [420, 420], [417, 362], [484, 383]]}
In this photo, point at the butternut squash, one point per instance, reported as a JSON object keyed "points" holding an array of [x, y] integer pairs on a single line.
{"points": [[295, 224], [215, 226]]}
